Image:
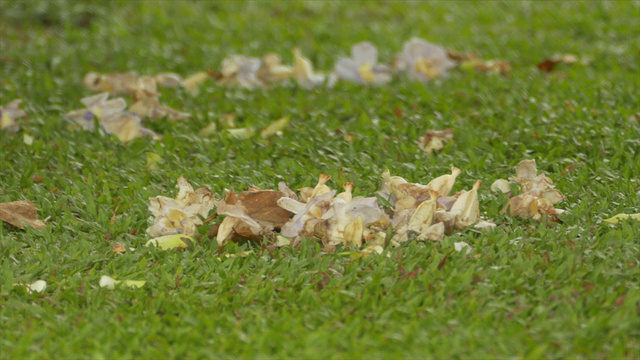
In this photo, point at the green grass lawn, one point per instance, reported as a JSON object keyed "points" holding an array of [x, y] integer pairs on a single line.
{"points": [[528, 290]]}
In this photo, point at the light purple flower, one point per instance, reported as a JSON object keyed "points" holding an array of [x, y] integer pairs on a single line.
{"points": [[423, 60]]}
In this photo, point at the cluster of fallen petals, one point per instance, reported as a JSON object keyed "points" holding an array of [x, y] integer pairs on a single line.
{"points": [[113, 116], [414, 212], [537, 195], [110, 116], [183, 214]]}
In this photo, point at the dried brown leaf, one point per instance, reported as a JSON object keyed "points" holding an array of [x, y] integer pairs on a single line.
{"points": [[20, 214]]}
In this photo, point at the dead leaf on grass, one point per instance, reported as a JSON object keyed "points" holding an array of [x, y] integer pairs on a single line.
{"points": [[20, 214]]}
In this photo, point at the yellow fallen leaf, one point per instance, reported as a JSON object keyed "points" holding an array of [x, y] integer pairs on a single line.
{"points": [[274, 128], [620, 217], [28, 139], [153, 160], [167, 242], [193, 82], [110, 283], [242, 133], [208, 130]]}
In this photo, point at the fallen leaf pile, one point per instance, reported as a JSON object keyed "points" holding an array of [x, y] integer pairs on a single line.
{"points": [[537, 195], [418, 212]]}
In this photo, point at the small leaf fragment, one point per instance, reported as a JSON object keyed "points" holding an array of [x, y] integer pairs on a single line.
{"points": [[274, 128], [617, 219], [168, 242], [37, 286], [110, 283]]}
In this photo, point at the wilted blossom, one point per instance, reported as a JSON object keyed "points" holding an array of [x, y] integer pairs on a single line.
{"points": [[538, 194], [147, 102], [362, 67], [8, 115], [273, 71], [240, 71], [422, 60], [335, 219], [427, 212], [303, 71], [111, 117], [182, 214]]}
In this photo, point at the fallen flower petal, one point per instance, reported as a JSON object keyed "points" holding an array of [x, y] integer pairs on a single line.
{"points": [[38, 286], [110, 283], [422, 60], [8, 115], [458, 246], [362, 66], [303, 71]]}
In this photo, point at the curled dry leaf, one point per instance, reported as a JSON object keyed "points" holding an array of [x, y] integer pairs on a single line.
{"points": [[183, 214], [8, 115], [538, 194], [251, 215], [435, 140], [20, 214]]}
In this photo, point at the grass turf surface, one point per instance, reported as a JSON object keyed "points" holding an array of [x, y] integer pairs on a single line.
{"points": [[528, 290]]}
